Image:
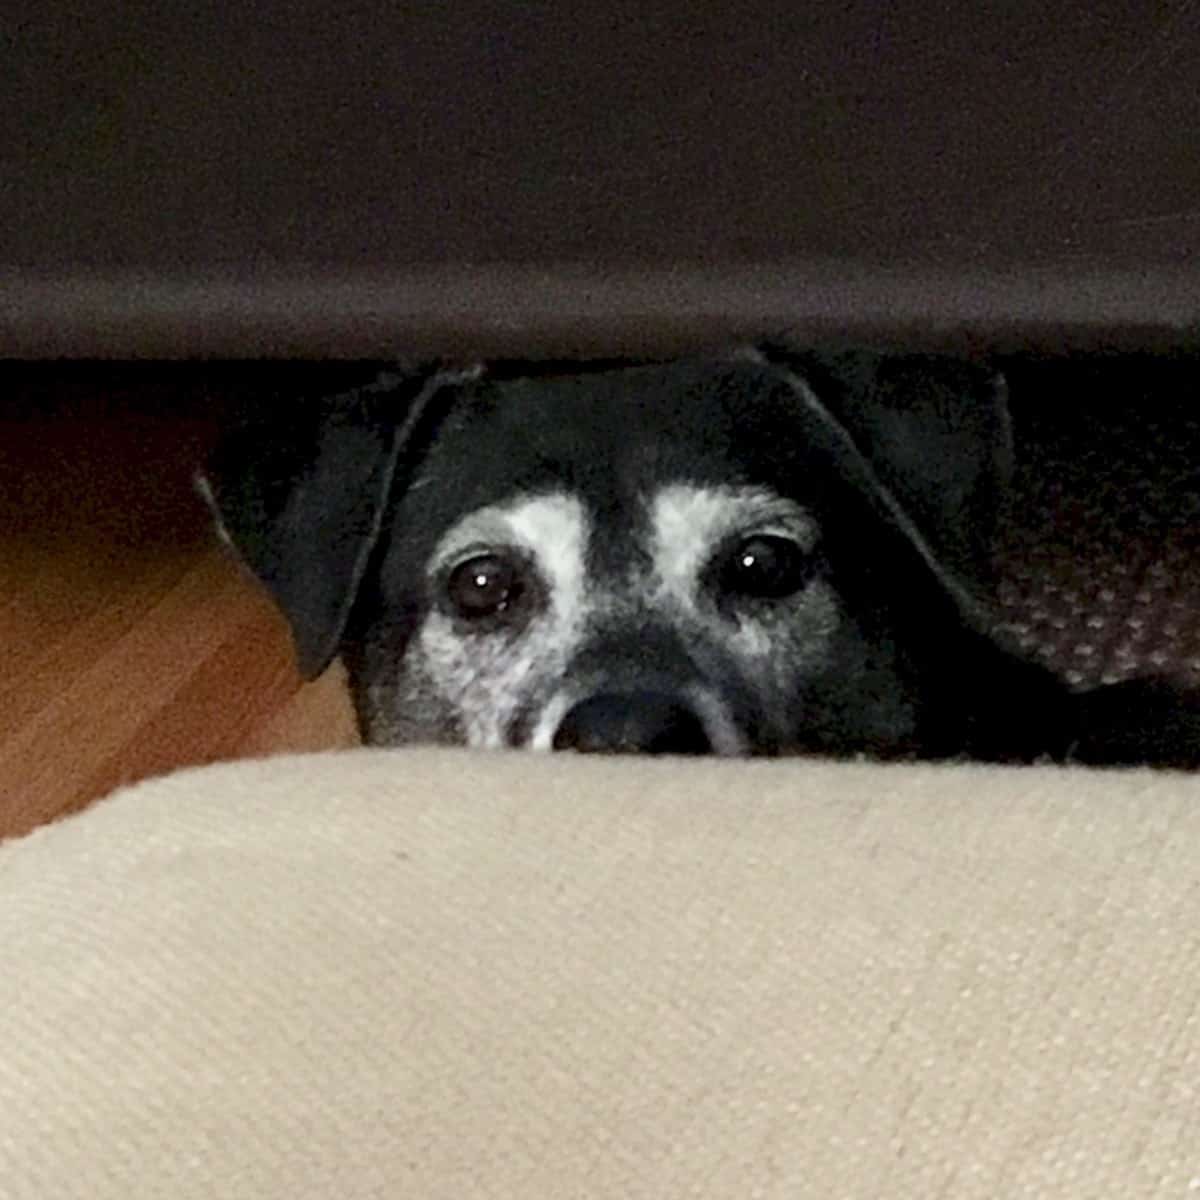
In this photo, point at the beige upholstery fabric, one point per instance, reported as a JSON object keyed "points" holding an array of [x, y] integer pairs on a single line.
{"points": [[445, 974]]}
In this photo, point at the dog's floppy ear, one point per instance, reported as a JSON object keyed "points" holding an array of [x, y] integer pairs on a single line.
{"points": [[299, 491], [936, 440]]}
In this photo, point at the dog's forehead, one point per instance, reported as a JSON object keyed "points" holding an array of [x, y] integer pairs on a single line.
{"points": [[611, 440], [602, 434], [645, 395]]}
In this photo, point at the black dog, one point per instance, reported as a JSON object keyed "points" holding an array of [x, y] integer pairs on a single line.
{"points": [[784, 551]]}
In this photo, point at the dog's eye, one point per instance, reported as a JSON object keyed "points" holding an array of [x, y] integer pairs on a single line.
{"points": [[483, 586], [765, 567]]}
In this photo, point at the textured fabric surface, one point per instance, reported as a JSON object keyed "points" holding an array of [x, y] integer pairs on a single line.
{"points": [[1099, 561], [445, 974]]}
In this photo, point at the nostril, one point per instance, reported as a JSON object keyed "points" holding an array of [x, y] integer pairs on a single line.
{"points": [[684, 735], [632, 723]]}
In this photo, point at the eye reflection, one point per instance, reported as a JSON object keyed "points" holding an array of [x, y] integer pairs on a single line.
{"points": [[766, 567], [483, 586]]}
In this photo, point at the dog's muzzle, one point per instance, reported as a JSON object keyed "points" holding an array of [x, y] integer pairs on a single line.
{"points": [[632, 723]]}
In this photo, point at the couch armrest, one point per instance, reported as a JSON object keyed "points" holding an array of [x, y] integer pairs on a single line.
{"points": [[446, 974]]}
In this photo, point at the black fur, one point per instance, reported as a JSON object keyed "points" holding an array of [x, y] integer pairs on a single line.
{"points": [[902, 459]]}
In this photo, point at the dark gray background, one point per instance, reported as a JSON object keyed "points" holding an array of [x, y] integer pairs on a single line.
{"points": [[357, 178]]}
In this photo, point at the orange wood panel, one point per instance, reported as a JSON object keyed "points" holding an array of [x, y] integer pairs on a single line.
{"points": [[130, 643]]}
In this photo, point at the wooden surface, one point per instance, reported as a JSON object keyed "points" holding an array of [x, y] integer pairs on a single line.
{"points": [[130, 643]]}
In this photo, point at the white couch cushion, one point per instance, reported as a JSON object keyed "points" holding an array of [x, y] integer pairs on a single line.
{"points": [[448, 974]]}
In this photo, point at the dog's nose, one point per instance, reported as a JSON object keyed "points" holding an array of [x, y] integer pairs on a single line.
{"points": [[632, 723]]}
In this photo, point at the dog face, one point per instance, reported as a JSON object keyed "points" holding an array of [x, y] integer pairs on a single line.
{"points": [[636, 560], [699, 630], [690, 558]]}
